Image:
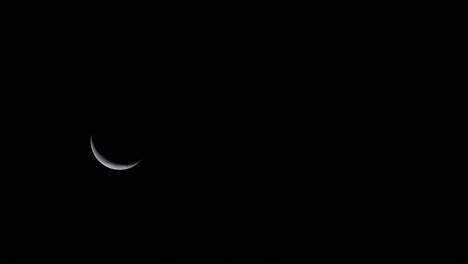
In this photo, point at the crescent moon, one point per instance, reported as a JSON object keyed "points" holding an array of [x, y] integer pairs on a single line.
{"points": [[108, 163]]}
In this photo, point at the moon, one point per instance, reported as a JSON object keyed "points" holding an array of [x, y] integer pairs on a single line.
{"points": [[108, 163]]}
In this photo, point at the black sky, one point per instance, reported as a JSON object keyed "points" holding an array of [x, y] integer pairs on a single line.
{"points": [[246, 152]]}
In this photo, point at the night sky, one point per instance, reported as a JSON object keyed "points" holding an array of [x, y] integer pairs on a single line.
{"points": [[246, 153], [231, 173]]}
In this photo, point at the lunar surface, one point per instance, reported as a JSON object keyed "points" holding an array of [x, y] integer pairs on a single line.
{"points": [[108, 163]]}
